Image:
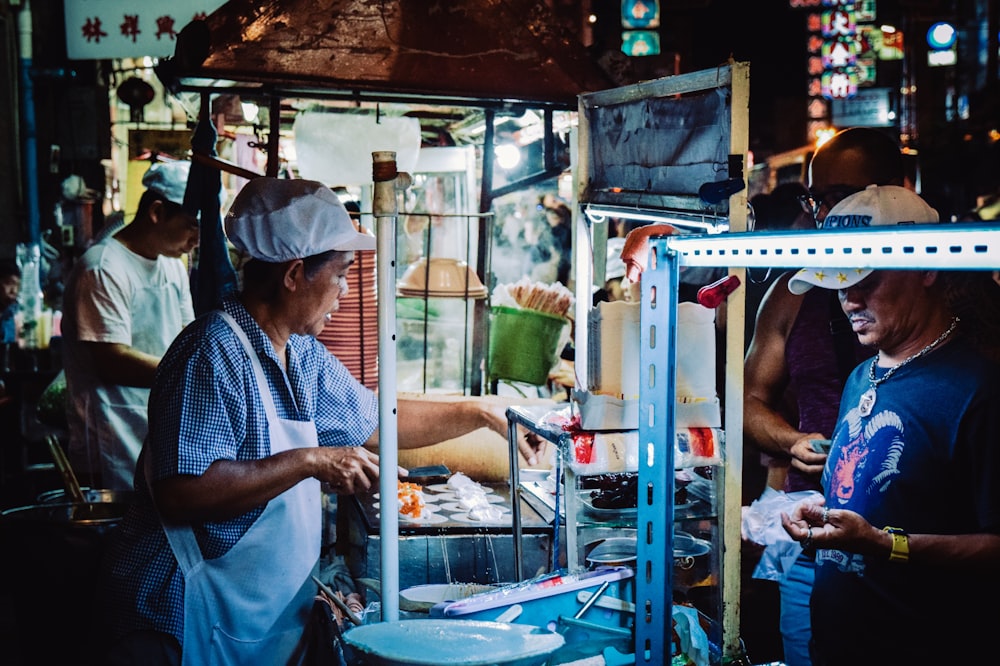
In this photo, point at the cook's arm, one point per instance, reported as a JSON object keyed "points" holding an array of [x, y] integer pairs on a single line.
{"points": [[230, 488], [427, 422], [122, 365]]}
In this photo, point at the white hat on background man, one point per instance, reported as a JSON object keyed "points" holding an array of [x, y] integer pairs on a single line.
{"points": [[168, 179], [876, 205], [277, 219]]}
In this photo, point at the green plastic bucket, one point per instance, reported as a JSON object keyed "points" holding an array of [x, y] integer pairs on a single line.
{"points": [[523, 344]]}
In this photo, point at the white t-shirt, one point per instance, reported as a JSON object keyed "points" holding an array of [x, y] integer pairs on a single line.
{"points": [[114, 295]]}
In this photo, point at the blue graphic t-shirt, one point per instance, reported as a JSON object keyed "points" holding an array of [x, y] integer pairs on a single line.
{"points": [[926, 460]]}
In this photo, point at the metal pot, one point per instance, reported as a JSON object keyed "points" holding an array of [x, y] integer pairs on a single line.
{"points": [[614, 551], [51, 552], [621, 551]]}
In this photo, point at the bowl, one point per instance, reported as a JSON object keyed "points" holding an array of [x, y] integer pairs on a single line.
{"points": [[437, 642], [440, 276], [615, 551]]}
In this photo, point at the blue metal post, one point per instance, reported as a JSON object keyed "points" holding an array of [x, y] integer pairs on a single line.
{"points": [[28, 125]]}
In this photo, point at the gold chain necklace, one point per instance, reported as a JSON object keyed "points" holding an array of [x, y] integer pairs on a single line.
{"points": [[867, 402]]}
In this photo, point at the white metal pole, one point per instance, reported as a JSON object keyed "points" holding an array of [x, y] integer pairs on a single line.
{"points": [[384, 207]]}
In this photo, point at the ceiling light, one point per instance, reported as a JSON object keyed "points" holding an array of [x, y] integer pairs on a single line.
{"points": [[508, 156]]}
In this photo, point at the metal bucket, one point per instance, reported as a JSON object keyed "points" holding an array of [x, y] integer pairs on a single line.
{"points": [[51, 555]]}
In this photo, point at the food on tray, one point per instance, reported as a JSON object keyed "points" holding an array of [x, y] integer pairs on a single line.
{"points": [[624, 495], [411, 499], [471, 501], [458, 481], [469, 493], [486, 513], [607, 481]]}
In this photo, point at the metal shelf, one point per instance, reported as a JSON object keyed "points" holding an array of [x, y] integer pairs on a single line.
{"points": [[948, 246]]}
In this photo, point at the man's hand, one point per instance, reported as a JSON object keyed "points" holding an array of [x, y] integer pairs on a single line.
{"points": [[804, 457], [815, 525], [347, 469]]}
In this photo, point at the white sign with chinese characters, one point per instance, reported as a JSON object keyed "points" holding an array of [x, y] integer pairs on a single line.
{"points": [[100, 29]]}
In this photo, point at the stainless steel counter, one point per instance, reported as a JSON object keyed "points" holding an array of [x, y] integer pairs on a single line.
{"points": [[448, 548]]}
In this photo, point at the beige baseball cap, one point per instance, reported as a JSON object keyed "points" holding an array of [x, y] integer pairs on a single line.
{"points": [[876, 205]]}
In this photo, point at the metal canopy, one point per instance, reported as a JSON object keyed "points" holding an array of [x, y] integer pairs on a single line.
{"points": [[480, 52]]}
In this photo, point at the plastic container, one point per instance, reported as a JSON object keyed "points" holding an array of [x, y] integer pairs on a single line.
{"points": [[523, 344]]}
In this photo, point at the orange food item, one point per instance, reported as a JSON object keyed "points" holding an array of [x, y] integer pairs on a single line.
{"points": [[411, 499]]}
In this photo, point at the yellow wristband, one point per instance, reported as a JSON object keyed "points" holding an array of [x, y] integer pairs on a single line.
{"points": [[900, 544]]}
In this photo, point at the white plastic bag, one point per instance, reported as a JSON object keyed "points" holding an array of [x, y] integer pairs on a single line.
{"points": [[762, 525]]}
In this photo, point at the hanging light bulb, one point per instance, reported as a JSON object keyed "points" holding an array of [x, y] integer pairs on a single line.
{"points": [[508, 155]]}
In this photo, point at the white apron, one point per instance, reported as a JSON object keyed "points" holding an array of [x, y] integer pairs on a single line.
{"points": [[251, 605], [116, 420]]}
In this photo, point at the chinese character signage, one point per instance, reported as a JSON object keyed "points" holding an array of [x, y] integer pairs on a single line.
{"points": [[100, 29]]}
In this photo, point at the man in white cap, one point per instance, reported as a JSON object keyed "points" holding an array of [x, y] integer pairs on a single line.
{"points": [[907, 536], [126, 299], [799, 356], [248, 416]]}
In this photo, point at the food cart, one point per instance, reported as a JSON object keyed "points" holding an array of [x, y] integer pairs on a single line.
{"points": [[279, 62]]}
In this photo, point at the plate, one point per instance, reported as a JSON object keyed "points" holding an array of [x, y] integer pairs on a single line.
{"points": [[427, 498], [467, 642], [445, 488], [423, 597], [464, 518], [426, 518], [452, 497], [685, 506], [427, 507], [458, 508]]}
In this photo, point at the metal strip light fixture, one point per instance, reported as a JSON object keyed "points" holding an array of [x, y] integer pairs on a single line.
{"points": [[713, 224]]}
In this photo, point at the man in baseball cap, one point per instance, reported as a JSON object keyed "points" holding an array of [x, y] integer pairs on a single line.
{"points": [[916, 422], [168, 180], [126, 299], [874, 206]]}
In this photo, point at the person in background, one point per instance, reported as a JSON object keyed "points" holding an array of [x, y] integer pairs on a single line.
{"points": [[554, 244], [778, 210], [907, 535], [10, 289], [803, 346], [248, 415], [125, 301]]}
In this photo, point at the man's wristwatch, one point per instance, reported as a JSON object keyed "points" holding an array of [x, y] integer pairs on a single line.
{"points": [[900, 544]]}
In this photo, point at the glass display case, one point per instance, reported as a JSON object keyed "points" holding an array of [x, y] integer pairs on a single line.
{"points": [[671, 152]]}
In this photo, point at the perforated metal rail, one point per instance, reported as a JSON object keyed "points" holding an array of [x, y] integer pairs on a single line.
{"points": [[950, 246]]}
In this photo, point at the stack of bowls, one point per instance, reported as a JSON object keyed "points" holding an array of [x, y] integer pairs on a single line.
{"points": [[440, 277], [352, 332]]}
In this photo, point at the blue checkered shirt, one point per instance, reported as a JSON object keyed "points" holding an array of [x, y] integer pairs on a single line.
{"points": [[205, 406]]}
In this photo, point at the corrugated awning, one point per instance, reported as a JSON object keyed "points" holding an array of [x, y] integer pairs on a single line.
{"points": [[480, 51]]}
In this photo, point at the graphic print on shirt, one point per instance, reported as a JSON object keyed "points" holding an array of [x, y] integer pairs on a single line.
{"points": [[863, 462]]}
